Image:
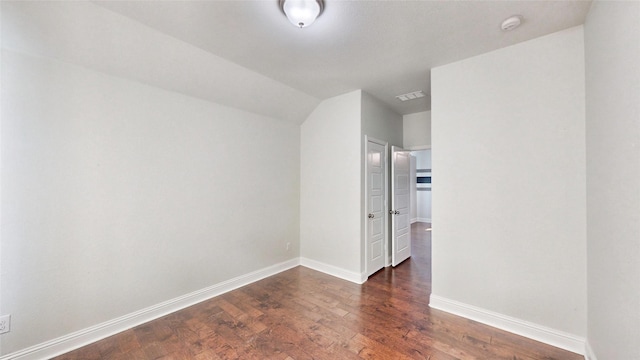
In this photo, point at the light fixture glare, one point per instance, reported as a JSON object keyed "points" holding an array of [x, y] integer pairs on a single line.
{"points": [[302, 13]]}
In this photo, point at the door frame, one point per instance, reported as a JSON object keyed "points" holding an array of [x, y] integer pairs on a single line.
{"points": [[385, 211]]}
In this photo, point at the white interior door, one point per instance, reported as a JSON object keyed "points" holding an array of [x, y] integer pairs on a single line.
{"points": [[376, 201], [400, 205]]}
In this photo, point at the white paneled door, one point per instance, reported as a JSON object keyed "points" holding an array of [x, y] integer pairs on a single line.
{"points": [[376, 201], [400, 202]]}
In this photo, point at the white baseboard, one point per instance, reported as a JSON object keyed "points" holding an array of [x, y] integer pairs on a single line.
{"points": [[414, 220], [533, 331], [424, 220], [588, 352], [341, 273], [92, 334]]}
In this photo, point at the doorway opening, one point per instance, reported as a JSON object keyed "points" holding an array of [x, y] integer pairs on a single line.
{"points": [[421, 214], [421, 187]]}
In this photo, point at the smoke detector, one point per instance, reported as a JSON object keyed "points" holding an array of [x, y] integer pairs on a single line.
{"points": [[511, 23], [410, 96]]}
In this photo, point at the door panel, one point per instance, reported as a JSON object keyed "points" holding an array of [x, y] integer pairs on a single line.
{"points": [[400, 203], [376, 216]]}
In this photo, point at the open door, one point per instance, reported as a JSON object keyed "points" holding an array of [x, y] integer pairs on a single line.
{"points": [[376, 203], [400, 202]]}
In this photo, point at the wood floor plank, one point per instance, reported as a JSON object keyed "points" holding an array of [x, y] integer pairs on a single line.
{"points": [[304, 314], [371, 349]]}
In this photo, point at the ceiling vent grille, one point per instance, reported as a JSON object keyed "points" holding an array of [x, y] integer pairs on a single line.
{"points": [[410, 96]]}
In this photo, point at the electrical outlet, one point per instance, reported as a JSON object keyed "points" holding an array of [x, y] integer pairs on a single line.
{"points": [[288, 246], [5, 324]]}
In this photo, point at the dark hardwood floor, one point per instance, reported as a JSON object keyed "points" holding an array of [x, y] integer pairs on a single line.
{"points": [[304, 314]]}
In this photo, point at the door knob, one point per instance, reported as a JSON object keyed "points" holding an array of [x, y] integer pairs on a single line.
{"points": [[371, 216]]}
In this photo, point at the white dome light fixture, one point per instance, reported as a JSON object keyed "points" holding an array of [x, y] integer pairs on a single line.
{"points": [[302, 13]]}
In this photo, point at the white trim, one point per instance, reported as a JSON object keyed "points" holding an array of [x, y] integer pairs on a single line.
{"points": [[533, 331], [64, 344], [424, 220], [341, 273], [374, 140], [588, 352], [414, 220], [418, 147]]}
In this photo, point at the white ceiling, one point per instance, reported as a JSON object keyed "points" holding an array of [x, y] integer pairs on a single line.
{"points": [[386, 48]]}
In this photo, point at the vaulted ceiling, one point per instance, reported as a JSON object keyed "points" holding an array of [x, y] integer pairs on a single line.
{"points": [[247, 55], [386, 48]]}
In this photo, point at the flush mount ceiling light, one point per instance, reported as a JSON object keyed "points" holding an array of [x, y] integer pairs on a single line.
{"points": [[410, 96], [302, 13]]}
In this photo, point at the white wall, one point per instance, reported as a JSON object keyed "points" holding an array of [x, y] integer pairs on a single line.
{"points": [[330, 184], [612, 48], [413, 199], [423, 206], [423, 159], [417, 130], [117, 196], [509, 187], [380, 122]]}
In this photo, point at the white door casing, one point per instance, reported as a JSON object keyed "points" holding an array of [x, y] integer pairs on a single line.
{"points": [[400, 205], [375, 197]]}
